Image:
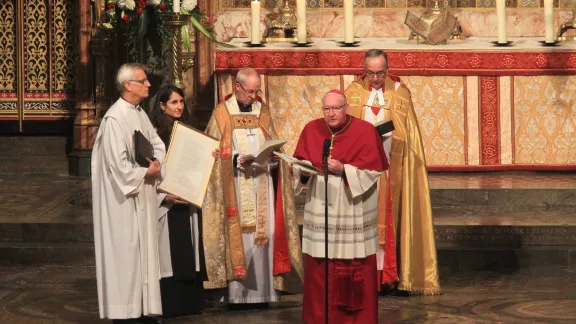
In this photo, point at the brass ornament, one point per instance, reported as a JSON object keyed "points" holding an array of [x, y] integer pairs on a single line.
{"points": [[282, 29], [569, 23], [175, 21]]}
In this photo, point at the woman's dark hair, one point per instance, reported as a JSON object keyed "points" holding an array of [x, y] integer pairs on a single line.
{"points": [[160, 120]]}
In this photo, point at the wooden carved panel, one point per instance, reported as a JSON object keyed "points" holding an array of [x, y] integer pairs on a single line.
{"points": [[8, 62]]}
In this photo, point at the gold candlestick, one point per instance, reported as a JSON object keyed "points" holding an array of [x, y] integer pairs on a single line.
{"points": [[175, 22]]}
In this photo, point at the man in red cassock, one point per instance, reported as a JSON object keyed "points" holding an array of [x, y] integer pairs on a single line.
{"points": [[355, 162]]}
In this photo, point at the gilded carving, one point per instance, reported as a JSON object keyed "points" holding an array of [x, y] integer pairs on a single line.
{"points": [[7, 46], [36, 45], [64, 51], [7, 106]]}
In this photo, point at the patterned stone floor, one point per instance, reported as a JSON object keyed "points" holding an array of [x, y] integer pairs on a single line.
{"points": [[60, 295]]}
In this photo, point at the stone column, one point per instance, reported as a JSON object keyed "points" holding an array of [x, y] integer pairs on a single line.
{"points": [[86, 122], [205, 73]]}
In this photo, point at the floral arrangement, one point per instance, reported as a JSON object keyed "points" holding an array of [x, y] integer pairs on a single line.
{"points": [[136, 16]]}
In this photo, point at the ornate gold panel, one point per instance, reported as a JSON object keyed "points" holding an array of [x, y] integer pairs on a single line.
{"points": [[38, 55], [64, 44], [36, 45], [8, 47]]}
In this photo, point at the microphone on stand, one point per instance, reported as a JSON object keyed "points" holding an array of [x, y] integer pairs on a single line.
{"points": [[325, 153], [325, 150]]}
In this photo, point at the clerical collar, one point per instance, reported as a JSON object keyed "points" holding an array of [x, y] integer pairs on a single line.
{"points": [[243, 107], [131, 105], [370, 87]]}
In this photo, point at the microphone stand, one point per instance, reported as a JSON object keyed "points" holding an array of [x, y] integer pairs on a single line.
{"points": [[325, 167]]}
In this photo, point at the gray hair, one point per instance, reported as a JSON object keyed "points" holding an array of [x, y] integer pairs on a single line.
{"points": [[245, 73], [126, 73], [330, 93], [375, 53]]}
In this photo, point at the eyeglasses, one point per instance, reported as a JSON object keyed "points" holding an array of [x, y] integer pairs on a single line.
{"points": [[378, 74], [142, 82], [334, 109], [251, 92]]}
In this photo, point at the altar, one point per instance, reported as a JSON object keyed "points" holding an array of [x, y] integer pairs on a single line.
{"points": [[479, 107]]}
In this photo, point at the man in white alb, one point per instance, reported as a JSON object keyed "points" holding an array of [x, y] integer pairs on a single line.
{"points": [[125, 208]]}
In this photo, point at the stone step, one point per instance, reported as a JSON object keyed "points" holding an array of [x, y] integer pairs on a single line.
{"points": [[509, 226], [504, 197], [504, 257], [503, 189], [33, 145], [69, 254], [34, 155], [46, 233], [34, 166]]}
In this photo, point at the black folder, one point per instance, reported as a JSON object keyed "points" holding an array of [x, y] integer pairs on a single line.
{"points": [[143, 149], [384, 127]]}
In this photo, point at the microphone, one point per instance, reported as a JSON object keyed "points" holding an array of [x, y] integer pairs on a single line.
{"points": [[326, 150]]}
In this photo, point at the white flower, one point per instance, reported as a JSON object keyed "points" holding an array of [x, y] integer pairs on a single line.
{"points": [[128, 4], [154, 2], [189, 4]]}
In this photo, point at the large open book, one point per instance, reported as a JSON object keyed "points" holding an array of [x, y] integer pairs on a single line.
{"points": [[189, 164], [304, 166], [266, 150], [433, 33]]}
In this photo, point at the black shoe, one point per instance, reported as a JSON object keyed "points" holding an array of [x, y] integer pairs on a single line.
{"points": [[125, 321], [252, 306], [149, 320]]}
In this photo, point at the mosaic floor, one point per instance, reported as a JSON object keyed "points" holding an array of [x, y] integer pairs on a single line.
{"points": [[54, 295]]}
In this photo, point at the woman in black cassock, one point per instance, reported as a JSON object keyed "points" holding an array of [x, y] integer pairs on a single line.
{"points": [[182, 265]]}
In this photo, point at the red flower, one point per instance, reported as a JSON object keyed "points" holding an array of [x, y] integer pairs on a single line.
{"points": [[162, 7], [209, 19], [110, 5], [139, 11], [125, 17], [141, 3]]}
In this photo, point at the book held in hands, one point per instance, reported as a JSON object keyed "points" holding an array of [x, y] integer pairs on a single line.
{"points": [[265, 151], [143, 149], [189, 164]]}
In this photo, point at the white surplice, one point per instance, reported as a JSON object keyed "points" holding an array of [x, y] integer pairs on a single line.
{"points": [[377, 95], [352, 214], [164, 237], [258, 285], [125, 214]]}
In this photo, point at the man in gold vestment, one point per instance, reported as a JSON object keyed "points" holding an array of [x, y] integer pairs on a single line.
{"points": [[251, 239], [406, 233]]}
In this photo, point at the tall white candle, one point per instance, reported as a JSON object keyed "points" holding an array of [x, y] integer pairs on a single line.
{"points": [[549, 21], [501, 15], [256, 37], [301, 21], [348, 21], [176, 6]]}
